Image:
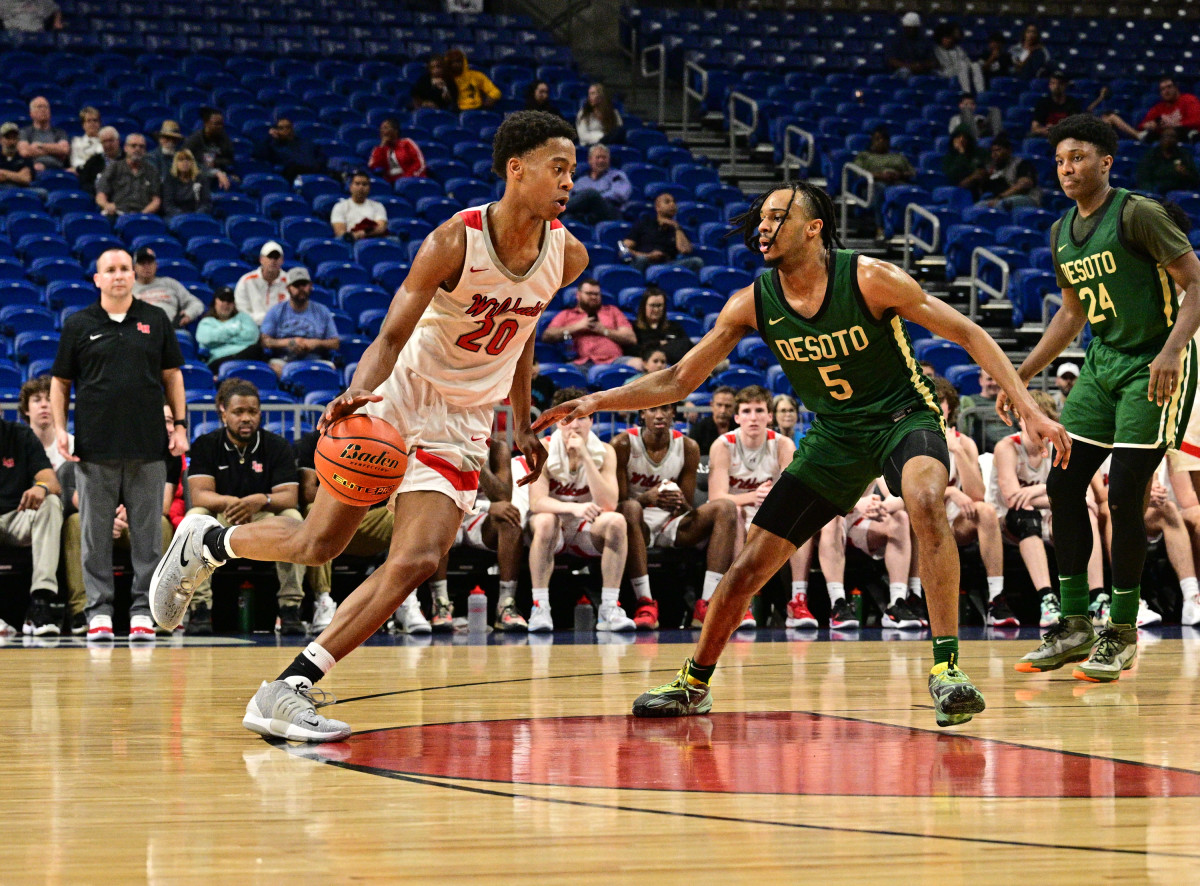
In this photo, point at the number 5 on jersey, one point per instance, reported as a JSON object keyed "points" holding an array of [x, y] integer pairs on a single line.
{"points": [[839, 388]]}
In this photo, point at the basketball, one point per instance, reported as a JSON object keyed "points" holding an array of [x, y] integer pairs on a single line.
{"points": [[360, 459]]}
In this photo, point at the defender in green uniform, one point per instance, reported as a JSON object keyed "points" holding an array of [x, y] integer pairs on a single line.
{"points": [[1118, 259], [833, 318]]}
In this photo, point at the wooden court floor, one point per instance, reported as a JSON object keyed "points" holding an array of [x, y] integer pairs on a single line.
{"points": [[517, 763]]}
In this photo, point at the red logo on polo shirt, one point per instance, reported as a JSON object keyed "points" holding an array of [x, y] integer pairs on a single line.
{"points": [[10, 463], [144, 327], [257, 465]]}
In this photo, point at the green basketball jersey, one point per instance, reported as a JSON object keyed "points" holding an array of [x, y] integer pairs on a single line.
{"points": [[1129, 299], [843, 363]]}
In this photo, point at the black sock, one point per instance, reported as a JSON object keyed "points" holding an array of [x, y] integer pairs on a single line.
{"points": [[1095, 593], [701, 672], [214, 540], [302, 666], [1044, 592]]}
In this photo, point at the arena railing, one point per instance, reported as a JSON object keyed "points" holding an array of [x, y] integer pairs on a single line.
{"points": [[737, 127], [911, 238], [700, 95], [803, 162], [850, 196], [659, 74], [981, 256]]}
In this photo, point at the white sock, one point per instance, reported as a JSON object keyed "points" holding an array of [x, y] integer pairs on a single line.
{"points": [[898, 591], [508, 590], [541, 597], [315, 653], [608, 596], [837, 591], [800, 588], [914, 586], [1189, 587], [996, 586], [711, 580], [641, 587], [439, 590], [227, 538]]}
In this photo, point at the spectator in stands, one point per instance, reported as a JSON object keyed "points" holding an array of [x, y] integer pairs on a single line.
{"points": [[718, 422], [299, 328], [953, 61], [1166, 167], [88, 144], [1064, 380], [653, 328], [927, 369], [785, 417], [110, 152], [1180, 110], [888, 168], [474, 88], [1030, 58], [965, 164], [598, 120], [294, 154], [181, 306], [395, 157], [241, 474], [185, 189], [541, 389], [34, 407], [537, 98], [1055, 105], [357, 217], [119, 438], [212, 147], [31, 516], [226, 332], [997, 60], [599, 332], [435, 89], [15, 171], [42, 143], [259, 290], [651, 358], [31, 15], [169, 138], [659, 238], [910, 52], [129, 185], [977, 418], [976, 124], [1010, 181], [599, 195]]}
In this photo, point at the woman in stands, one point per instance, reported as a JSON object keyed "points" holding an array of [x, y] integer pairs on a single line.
{"points": [[435, 89], [185, 190], [785, 417], [653, 328], [537, 98], [965, 164], [1030, 58], [598, 120], [226, 332]]}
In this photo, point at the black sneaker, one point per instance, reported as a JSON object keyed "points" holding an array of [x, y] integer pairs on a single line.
{"points": [[898, 615], [41, 615], [918, 607], [200, 621], [999, 615], [78, 624], [842, 615], [290, 624]]}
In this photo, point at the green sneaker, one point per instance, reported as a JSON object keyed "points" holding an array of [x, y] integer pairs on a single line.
{"points": [[684, 696], [1115, 650], [955, 698], [1069, 639]]}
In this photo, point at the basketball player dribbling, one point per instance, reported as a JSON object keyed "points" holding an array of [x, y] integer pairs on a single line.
{"points": [[457, 339]]}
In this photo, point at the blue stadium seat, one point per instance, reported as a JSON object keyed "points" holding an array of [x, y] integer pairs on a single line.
{"points": [[336, 274], [285, 205], [413, 189], [670, 278], [164, 246], [51, 268], [698, 301], [90, 247], [297, 229], [563, 375], [79, 224], [725, 280], [62, 294], [753, 351], [35, 246], [260, 374], [390, 275], [194, 224], [197, 377], [777, 381], [740, 377], [240, 228], [220, 272], [35, 345], [965, 377], [202, 250], [356, 298], [352, 347], [614, 278], [602, 377], [16, 319], [315, 251], [941, 353], [19, 225], [139, 225]]}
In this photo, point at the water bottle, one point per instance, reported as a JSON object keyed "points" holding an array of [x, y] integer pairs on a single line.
{"points": [[857, 600], [245, 604], [585, 616], [477, 611]]}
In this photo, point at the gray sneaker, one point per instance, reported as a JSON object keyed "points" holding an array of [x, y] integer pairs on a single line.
{"points": [[1069, 639], [183, 568], [278, 710], [1115, 650]]}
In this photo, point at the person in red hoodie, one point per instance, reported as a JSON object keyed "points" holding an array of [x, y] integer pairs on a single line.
{"points": [[1176, 109], [395, 157]]}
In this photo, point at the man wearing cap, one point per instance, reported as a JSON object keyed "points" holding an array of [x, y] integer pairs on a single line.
{"points": [[910, 52], [299, 329], [167, 293], [45, 145], [168, 137], [129, 185], [1065, 379], [294, 154], [257, 291], [110, 152], [15, 171], [357, 217]]}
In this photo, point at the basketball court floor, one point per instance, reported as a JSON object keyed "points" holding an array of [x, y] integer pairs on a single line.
{"points": [[516, 760]]}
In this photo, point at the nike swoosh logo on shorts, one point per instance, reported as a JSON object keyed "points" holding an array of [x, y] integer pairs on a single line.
{"points": [[776, 320], [475, 270], [477, 439], [94, 337], [1061, 248]]}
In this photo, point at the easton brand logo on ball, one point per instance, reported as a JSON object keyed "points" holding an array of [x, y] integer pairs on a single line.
{"points": [[354, 452]]}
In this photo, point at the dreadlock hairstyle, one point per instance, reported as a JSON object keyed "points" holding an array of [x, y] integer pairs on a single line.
{"points": [[818, 202]]}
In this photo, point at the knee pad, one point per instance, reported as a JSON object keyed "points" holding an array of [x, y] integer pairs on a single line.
{"points": [[1024, 523]]}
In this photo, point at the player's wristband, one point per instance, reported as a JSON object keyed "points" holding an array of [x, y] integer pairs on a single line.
{"points": [[180, 423], [41, 484]]}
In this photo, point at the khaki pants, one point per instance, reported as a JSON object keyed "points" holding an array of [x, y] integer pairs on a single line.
{"points": [[41, 531], [72, 544], [291, 575], [372, 538]]}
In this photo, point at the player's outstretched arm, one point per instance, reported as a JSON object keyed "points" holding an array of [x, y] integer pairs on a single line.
{"points": [[439, 261], [668, 385], [1165, 369], [885, 286]]}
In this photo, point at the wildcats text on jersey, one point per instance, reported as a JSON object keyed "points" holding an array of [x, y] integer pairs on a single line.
{"points": [[483, 305]]}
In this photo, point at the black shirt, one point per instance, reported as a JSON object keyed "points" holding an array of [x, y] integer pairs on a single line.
{"points": [[265, 463], [705, 432], [670, 337], [117, 371], [14, 164], [1048, 112], [21, 457], [648, 235]]}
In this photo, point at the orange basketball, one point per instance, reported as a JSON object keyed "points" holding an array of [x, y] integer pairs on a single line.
{"points": [[360, 459]]}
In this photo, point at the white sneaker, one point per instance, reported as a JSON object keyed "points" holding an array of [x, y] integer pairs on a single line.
{"points": [[6, 629], [612, 617], [183, 568], [323, 610], [100, 627], [141, 628], [1147, 616], [540, 620], [410, 618], [1191, 611]]}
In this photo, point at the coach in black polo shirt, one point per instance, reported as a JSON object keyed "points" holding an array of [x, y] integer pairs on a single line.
{"points": [[240, 474], [121, 355]]}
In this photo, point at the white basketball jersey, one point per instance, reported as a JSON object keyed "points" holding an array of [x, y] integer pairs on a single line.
{"points": [[468, 341], [644, 474], [571, 485], [955, 478], [520, 494], [751, 468], [1027, 475]]}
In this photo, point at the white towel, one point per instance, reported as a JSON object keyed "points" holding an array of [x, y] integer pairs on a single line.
{"points": [[558, 459]]}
